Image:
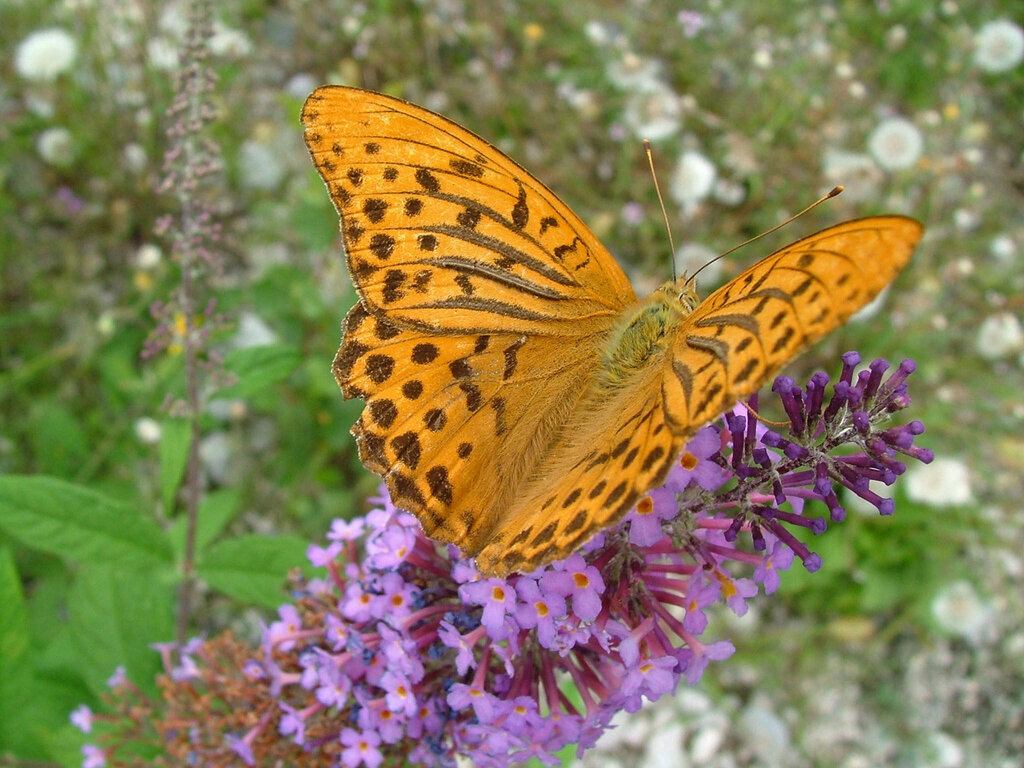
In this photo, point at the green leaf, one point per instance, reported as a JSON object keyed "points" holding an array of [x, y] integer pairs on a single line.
{"points": [[259, 367], [14, 640], [36, 727], [78, 524], [64, 743], [215, 512], [115, 616], [314, 221], [15, 685], [14, 644], [48, 606], [58, 441], [174, 442], [253, 568]]}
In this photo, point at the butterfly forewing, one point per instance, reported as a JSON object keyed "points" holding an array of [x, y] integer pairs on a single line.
{"points": [[744, 332], [483, 301], [444, 231]]}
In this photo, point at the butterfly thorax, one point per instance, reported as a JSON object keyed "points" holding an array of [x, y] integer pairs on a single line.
{"points": [[643, 334]]}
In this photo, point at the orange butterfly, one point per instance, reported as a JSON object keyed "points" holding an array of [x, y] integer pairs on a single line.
{"points": [[519, 397]]}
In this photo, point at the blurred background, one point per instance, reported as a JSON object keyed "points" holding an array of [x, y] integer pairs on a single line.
{"points": [[907, 648]]}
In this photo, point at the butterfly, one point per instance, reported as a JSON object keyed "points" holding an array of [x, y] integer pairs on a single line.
{"points": [[519, 396]]}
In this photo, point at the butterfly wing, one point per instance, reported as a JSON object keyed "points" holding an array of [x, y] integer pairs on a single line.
{"points": [[453, 423], [618, 447], [483, 300], [625, 443], [444, 232], [744, 332]]}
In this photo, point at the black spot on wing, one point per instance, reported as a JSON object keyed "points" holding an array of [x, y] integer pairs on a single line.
{"points": [[374, 208], [440, 486], [520, 211], [427, 180], [393, 280], [383, 412], [379, 367], [407, 449], [382, 246], [465, 168]]}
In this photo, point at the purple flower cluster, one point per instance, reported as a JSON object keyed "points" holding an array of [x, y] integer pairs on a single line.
{"points": [[422, 657], [406, 653]]}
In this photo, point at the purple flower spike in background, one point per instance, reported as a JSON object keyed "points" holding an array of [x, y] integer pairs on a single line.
{"points": [[412, 656]]}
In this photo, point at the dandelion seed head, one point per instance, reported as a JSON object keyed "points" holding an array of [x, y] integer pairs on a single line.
{"points": [[895, 36], [134, 157], [999, 335], [601, 33], [856, 171], [631, 72], [765, 732], [217, 454], [148, 430], [45, 55], [262, 166], [56, 146], [148, 256], [1002, 247], [162, 53], [762, 58], [895, 144], [999, 46], [692, 256], [959, 610], [253, 331], [230, 43], [653, 112], [729, 192], [966, 219], [692, 179]]}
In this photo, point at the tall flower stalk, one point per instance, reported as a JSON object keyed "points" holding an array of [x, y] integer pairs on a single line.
{"points": [[191, 167], [403, 652]]}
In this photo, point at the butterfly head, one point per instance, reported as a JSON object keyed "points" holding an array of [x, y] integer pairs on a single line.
{"points": [[680, 294]]}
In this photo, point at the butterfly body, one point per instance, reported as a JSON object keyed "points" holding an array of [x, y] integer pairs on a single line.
{"points": [[519, 397], [643, 335]]}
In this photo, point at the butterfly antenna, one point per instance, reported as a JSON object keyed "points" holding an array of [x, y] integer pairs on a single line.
{"points": [[661, 202], [832, 193]]}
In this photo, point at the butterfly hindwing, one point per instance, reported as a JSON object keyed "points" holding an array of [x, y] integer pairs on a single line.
{"points": [[453, 423], [616, 449]]}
